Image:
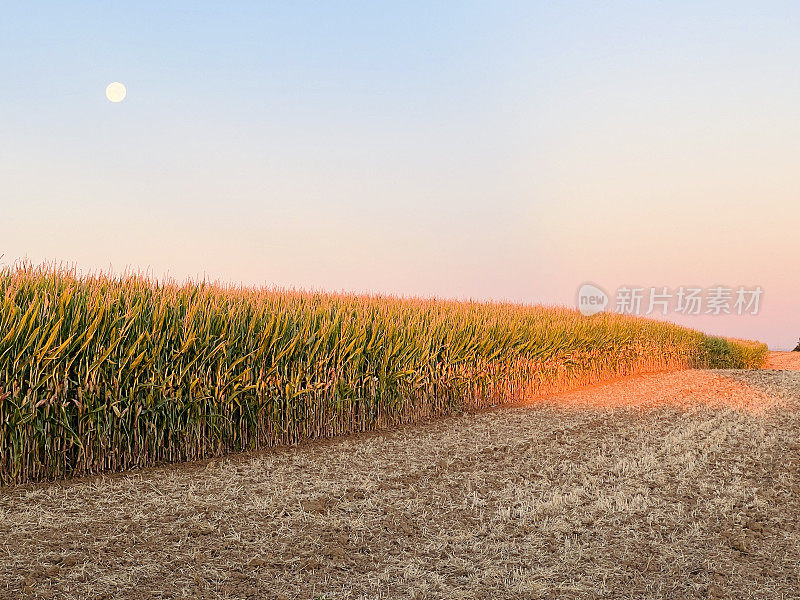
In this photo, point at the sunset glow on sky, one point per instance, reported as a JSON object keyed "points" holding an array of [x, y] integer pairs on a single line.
{"points": [[470, 150]]}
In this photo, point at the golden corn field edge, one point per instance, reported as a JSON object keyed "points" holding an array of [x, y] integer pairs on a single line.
{"points": [[104, 373]]}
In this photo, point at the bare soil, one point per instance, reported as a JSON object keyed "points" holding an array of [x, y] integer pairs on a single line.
{"points": [[672, 485]]}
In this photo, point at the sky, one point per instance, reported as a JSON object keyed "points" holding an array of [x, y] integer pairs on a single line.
{"points": [[487, 150]]}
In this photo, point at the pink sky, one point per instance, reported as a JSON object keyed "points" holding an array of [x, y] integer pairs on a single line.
{"points": [[469, 151]]}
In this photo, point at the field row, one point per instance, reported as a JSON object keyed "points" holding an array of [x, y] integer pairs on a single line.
{"points": [[105, 373]]}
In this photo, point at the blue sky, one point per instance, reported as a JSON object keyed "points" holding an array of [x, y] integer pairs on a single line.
{"points": [[463, 149]]}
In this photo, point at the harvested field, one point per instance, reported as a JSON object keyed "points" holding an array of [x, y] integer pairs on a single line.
{"points": [[783, 360], [672, 485]]}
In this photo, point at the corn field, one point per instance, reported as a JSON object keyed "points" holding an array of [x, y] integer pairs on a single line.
{"points": [[103, 373]]}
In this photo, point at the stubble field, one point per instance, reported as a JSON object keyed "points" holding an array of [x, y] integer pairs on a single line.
{"points": [[671, 485]]}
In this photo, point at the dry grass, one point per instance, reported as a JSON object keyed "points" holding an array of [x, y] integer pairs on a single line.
{"points": [[783, 360], [664, 486]]}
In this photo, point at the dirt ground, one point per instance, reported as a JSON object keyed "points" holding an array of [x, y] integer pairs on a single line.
{"points": [[678, 485]]}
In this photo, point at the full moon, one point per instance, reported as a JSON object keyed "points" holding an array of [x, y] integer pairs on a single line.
{"points": [[116, 92]]}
